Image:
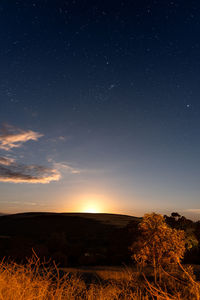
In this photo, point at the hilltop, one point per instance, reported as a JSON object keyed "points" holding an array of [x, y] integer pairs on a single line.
{"points": [[69, 238], [105, 218]]}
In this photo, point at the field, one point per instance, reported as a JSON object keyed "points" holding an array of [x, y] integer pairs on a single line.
{"points": [[75, 248], [36, 280]]}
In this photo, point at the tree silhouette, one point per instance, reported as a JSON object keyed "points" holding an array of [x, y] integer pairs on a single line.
{"points": [[175, 215]]}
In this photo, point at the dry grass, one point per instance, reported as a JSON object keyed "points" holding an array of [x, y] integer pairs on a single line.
{"points": [[103, 272], [37, 280]]}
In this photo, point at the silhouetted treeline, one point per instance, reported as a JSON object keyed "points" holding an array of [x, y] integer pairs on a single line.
{"points": [[192, 233]]}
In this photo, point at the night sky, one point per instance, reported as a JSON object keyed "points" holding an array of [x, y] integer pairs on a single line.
{"points": [[100, 106]]}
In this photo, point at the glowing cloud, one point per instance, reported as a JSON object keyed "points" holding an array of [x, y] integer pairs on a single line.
{"points": [[6, 161], [12, 171], [66, 167], [11, 137], [19, 173]]}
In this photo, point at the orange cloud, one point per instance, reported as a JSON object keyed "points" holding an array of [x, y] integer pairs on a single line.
{"points": [[18, 173], [12, 171], [11, 137], [7, 161]]}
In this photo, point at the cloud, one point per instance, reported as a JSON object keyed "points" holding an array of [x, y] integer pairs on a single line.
{"points": [[66, 167], [11, 137], [12, 171], [7, 161], [18, 173], [62, 138], [194, 210]]}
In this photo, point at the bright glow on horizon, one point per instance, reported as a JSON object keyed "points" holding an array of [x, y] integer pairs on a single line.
{"points": [[91, 203], [91, 208]]}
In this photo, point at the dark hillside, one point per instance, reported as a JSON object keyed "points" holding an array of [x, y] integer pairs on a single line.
{"points": [[69, 238]]}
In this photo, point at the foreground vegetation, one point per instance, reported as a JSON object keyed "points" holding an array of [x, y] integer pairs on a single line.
{"points": [[157, 274], [37, 280]]}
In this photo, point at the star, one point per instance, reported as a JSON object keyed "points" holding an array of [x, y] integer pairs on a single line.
{"points": [[112, 86]]}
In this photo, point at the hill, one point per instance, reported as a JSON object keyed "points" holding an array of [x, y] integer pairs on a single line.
{"points": [[105, 218], [69, 238]]}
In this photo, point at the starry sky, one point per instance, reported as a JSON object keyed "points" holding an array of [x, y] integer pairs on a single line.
{"points": [[100, 106]]}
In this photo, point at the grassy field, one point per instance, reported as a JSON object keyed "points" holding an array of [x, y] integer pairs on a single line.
{"points": [[99, 274], [42, 281]]}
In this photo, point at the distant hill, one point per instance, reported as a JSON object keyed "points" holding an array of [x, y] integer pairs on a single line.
{"points": [[111, 219], [105, 218], [79, 238]]}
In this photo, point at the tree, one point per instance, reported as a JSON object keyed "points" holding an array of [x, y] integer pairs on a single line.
{"points": [[158, 244], [175, 215]]}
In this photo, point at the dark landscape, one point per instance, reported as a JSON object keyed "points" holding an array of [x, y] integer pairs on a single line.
{"points": [[68, 238], [82, 255], [83, 239]]}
